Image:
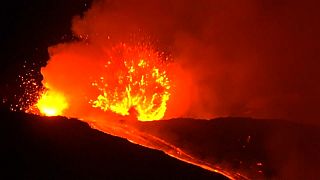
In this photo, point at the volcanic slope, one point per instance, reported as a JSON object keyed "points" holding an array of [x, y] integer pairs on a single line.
{"points": [[34, 147], [253, 148]]}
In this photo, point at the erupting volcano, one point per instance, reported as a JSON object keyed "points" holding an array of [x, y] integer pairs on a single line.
{"points": [[201, 81], [130, 82]]}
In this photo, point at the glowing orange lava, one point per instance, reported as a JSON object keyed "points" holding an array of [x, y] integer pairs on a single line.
{"points": [[135, 81], [52, 103]]}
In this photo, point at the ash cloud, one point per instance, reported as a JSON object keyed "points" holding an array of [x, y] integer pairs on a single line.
{"points": [[243, 58]]}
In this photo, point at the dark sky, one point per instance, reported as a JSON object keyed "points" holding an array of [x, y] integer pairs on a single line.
{"points": [[28, 28], [247, 58]]}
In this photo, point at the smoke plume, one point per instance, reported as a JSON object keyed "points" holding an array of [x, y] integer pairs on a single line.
{"points": [[233, 58]]}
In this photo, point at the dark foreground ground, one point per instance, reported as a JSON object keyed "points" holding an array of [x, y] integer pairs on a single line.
{"points": [[255, 148], [35, 147]]}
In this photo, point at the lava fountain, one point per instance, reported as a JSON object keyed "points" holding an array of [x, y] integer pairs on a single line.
{"points": [[135, 81], [132, 83]]}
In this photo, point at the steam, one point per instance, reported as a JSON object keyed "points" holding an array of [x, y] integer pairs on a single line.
{"points": [[235, 58]]}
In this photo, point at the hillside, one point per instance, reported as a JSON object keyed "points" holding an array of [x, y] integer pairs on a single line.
{"points": [[36, 147]]}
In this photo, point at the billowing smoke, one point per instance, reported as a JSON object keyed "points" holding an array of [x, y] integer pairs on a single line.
{"points": [[235, 58]]}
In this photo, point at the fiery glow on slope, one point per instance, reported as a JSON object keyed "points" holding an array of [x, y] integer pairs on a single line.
{"points": [[135, 83], [51, 103]]}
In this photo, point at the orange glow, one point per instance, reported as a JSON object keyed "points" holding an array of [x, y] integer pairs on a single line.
{"points": [[135, 81], [52, 103]]}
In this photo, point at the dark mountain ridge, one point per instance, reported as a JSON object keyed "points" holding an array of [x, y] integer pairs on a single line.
{"points": [[35, 147]]}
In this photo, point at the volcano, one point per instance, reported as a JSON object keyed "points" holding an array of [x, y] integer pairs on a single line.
{"points": [[110, 89]]}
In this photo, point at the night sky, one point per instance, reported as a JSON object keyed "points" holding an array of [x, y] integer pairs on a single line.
{"points": [[28, 28]]}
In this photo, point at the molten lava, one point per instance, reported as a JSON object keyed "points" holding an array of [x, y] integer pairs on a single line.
{"points": [[52, 103], [134, 80]]}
